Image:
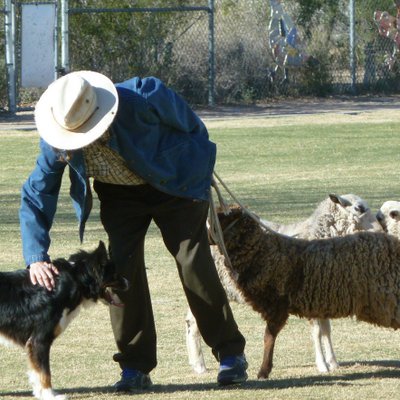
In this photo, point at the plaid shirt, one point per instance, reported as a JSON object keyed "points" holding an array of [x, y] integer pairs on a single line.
{"points": [[105, 165]]}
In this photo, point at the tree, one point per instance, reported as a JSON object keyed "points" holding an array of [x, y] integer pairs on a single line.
{"points": [[121, 43]]}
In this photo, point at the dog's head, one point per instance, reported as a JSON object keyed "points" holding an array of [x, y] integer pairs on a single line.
{"points": [[98, 276]]}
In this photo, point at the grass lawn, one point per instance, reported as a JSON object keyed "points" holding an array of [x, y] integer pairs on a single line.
{"points": [[280, 168]]}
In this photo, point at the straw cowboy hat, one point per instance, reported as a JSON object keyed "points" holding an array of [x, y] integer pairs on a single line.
{"points": [[76, 109]]}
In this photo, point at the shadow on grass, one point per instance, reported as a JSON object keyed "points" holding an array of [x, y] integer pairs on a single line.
{"points": [[373, 363], [388, 369]]}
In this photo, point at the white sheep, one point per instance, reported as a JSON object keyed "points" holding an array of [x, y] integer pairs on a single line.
{"points": [[334, 216], [355, 275], [389, 217]]}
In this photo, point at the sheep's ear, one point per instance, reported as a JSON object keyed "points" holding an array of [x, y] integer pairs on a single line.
{"points": [[334, 198], [339, 200], [394, 214]]}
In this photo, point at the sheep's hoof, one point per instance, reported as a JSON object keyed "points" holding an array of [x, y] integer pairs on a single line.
{"points": [[323, 368], [262, 375], [333, 365], [199, 369]]}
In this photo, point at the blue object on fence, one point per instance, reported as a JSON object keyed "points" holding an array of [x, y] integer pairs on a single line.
{"points": [[284, 40]]}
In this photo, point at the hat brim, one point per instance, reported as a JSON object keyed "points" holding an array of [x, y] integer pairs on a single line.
{"points": [[59, 137]]}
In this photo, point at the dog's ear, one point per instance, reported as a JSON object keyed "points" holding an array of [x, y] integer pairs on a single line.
{"points": [[102, 250]]}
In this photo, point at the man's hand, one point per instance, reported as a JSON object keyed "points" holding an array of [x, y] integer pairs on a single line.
{"points": [[42, 273]]}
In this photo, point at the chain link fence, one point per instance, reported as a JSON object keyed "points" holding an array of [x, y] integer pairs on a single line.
{"points": [[247, 69], [375, 68], [173, 43]]}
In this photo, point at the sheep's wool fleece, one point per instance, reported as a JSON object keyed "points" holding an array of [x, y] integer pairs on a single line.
{"points": [[329, 219], [356, 275], [225, 276]]}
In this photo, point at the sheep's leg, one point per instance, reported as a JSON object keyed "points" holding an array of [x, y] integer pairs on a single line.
{"points": [[193, 344], [271, 332], [316, 333], [327, 342]]}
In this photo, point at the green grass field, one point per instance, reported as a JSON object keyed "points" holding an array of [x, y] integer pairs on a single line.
{"points": [[280, 168]]}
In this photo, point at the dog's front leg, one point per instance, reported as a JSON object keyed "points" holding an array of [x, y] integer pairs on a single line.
{"points": [[39, 374]]}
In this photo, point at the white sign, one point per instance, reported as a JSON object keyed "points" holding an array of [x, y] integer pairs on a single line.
{"points": [[38, 48]]}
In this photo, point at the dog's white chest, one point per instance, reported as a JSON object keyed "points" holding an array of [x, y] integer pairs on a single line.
{"points": [[67, 317], [5, 341]]}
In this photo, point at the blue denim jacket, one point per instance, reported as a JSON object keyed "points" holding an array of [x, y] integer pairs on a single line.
{"points": [[155, 131]]}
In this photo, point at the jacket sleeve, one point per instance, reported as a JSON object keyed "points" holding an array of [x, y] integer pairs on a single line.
{"points": [[171, 109], [39, 196]]}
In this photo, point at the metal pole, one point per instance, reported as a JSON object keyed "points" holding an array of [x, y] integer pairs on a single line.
{"points": [[9, 22], [352, 45], [55, 41], [211, 53], [64, 38]]}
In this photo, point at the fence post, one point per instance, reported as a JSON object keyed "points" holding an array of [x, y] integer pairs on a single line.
{"points": [[211, 53], [64, 37], [9, 22], [352, 33]]}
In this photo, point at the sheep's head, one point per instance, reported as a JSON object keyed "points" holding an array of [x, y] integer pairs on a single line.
{"points": [[241, 237], [228, 220], [389, 217], [356, 212]]}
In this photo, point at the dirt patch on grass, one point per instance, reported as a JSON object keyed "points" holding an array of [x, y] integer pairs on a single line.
{"points": [[303, 106], [305, 111], [369, 109]]}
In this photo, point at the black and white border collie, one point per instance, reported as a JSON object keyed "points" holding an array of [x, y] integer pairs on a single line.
{"points": [[32, 317]]}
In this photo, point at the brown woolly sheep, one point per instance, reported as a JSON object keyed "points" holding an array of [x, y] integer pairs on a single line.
{"points": [[336, 215], [355, 275]]}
